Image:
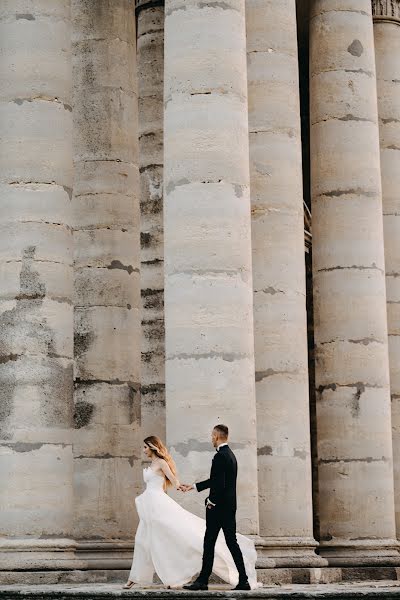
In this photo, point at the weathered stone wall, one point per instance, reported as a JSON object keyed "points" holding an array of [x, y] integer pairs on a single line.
{"points": [[352, 374], [387, 52], [280, 326], [208, 274], [36, 349], [79, 330], [107, 450], [150, 56]]}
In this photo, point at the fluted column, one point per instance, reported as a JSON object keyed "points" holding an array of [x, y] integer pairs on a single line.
{"points": [[356, 502], [107, 289], [387, 52], [36, 315], [280, 328], [208, 279], [150, 57]]}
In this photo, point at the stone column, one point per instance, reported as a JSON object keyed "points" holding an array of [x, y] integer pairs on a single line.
{"points": [[107, 288], [36, 316], [150, 57], [280, 323], [208, 279], [387, 51], [352, 373]]}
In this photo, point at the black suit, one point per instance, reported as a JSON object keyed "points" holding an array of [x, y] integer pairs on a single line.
{"points": [[222, 485]]}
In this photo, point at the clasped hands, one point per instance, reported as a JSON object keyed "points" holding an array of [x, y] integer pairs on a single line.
{"points": [[184, 487]]}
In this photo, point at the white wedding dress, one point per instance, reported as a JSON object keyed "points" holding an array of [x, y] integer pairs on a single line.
{"points": [[169, 541]]}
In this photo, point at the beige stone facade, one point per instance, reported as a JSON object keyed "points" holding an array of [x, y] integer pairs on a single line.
{"points": [[160, 165]]}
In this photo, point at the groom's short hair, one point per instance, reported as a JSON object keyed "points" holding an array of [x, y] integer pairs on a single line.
{"points": [[222, 430]]}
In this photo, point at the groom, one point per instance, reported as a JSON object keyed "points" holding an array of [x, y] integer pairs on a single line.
{"points": [[220, 510]]}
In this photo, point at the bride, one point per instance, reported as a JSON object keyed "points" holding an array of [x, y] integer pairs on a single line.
{"points": [[169, 539]]}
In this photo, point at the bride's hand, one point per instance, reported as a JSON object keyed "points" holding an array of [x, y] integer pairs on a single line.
{"points": [[185, 487]]}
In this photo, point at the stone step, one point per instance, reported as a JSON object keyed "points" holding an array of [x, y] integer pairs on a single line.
{"points": [[107, 591], [276, 576]]}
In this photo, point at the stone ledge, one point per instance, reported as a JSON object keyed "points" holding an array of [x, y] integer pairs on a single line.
{"points": [[269, 577], [343, 591]]}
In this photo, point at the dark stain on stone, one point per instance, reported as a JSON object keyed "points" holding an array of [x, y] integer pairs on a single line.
{"points": [[154, 389], [82, 341], [151, 166], [83, 414], [155, 261], [152, 299], [25, 16], [30, 285], [128, 306], [152, 206], [238, 190], [222, 5], [25, 446], [169, 12], [117, 264], [363, 71], [367, 459], [356, 191], [171, 185], [355, 48], [355, 409], [145, 239], [135, 415], [153, 329], [68, 190], [22, 325], [264, 451], [9, 358], [146, 357], [79, 381]]}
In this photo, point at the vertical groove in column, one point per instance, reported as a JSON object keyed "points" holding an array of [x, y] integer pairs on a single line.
{"points": [[36, 350], [280, 327], [150, 56], [352, 374], [208, 278], [107, 288], [387, 49]]}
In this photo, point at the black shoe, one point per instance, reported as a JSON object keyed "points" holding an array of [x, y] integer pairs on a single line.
{"points": [[243, 586], [195, 586]]}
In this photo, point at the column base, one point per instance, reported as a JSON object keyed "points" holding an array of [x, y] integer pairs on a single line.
{"points": [[35, 553], [366, 552], [104, 554], [288, 552]]}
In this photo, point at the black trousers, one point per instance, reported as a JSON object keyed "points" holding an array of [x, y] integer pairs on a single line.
{"points": [[217, 519]]}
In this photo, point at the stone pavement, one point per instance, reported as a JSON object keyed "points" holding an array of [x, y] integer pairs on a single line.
{"points": [[342, 591]]}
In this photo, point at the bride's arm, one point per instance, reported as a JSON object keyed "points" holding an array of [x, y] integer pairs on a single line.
{"points": [[168, 474]]}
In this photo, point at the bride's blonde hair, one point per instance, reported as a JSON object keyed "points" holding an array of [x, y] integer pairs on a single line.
{"points": [[155, 444]]}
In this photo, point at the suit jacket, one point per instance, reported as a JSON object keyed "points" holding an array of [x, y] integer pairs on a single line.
{"points": [[222, 481]]}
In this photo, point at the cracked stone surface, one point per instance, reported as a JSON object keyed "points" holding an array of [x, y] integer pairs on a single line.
{"points": [[107, 442], [36, 313], [207, 235], [387, 47], [150, 57], [351, 352], [280, 330]]}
